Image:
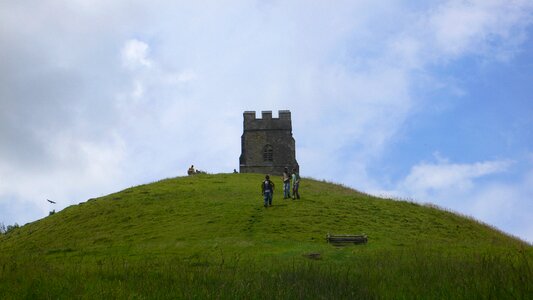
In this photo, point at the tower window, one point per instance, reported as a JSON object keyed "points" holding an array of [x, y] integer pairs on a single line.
{"points": [[267, 153]]}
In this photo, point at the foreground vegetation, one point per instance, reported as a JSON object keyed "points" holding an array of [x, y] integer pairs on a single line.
{"points": [[208, 236], [382, 275]]}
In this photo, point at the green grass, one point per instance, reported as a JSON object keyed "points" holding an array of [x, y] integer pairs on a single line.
{"points": [[209, 236]]}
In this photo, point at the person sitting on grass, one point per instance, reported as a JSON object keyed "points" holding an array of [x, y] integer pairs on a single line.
{"points": [[191, 171], [267, 189]]}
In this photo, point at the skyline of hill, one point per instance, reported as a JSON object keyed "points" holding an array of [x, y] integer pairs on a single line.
{"points": [[209, 235]]}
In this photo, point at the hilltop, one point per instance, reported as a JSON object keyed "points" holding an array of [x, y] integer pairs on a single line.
{"points": [[209, 236]]}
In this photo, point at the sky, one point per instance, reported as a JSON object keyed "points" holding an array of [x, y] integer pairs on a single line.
{"points": [[426, 101]]}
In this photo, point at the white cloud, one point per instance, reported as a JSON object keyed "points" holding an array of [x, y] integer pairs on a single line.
{"points": [[178, 78], [135, 54], [138, 90], [492, 29], [457, 25], [426, 177], [474, 26]]}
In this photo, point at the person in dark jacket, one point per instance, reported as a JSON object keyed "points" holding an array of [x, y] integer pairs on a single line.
{"points": [[267, 188]]}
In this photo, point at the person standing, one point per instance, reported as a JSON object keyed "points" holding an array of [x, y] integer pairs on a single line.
{"points": [[267, 188], [295, 184], [286, 184]]}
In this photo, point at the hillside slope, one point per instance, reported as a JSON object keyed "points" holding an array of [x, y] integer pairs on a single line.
{"points": [[207, 220]]}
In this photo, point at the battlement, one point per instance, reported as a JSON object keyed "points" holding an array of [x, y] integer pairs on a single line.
{"points": [[267, 122], [267, 143]]}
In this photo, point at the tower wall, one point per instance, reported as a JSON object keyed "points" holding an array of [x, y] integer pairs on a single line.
{"points": [[267, 135]]}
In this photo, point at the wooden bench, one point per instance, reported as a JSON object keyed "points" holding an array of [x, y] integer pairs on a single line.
{"points": [[345, 239]]}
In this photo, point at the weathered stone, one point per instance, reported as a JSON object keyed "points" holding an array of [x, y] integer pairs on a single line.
{"points": [[267, 144]]}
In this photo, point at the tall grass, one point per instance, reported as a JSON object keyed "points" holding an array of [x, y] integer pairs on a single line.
{"points": [[383, 274]]}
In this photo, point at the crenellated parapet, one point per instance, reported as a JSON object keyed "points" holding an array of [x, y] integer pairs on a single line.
{"points": [[266, 122], [267, 143]]}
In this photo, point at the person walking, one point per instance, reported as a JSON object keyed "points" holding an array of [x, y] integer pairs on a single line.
{"points": [[267, 189], [295, 184], [286, 184]]}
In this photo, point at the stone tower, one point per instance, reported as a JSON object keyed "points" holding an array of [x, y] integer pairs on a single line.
{"points": [[267, 143]]}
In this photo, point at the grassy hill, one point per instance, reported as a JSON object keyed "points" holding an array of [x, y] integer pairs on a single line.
{"points": [[209, 236]]}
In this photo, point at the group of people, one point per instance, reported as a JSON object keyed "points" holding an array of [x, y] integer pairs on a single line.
{"points": [[267, 187], [192, 171]]}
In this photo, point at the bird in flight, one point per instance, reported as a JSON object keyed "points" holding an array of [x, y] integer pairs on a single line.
{"points": [[50, 201]]}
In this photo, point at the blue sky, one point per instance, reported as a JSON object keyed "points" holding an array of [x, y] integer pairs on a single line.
{"points": [[428, 101]]}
